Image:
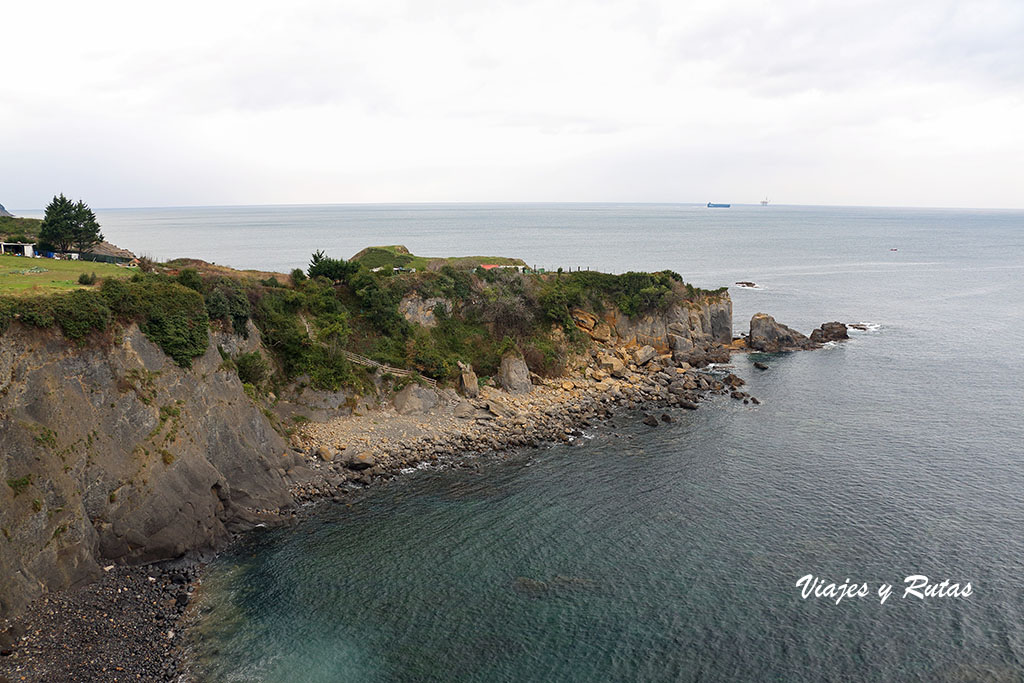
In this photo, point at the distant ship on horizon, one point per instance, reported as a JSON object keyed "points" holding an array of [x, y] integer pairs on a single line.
{"points": [[712, 205]]}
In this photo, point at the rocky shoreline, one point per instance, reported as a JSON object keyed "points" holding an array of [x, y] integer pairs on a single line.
{"points": [[128, 624], [424, 425]]}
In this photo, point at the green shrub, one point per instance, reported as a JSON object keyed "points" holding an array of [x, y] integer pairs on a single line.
{"points": [[336, 270], [189, 277], [87, 279], [227, 301], [252, 367], [172, 316]]}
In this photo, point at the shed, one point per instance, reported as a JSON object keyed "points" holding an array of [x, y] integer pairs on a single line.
{"points": [[18, 248]]}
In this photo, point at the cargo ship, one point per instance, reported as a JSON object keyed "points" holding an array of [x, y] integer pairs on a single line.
{"points": [[712, 205]]}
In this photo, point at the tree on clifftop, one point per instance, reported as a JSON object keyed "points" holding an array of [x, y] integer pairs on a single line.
{"points": [[70, 225]]}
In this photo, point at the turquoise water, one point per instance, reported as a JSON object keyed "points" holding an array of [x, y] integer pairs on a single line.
{"points": [[671, 554]]}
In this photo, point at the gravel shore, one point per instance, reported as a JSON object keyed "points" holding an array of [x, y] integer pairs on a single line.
{"points": [[123, 627]]}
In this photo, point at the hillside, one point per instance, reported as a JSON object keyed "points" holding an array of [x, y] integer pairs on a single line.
{"points": [[14, 229]]}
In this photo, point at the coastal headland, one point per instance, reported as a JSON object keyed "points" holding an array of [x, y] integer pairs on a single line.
{"points": [[149, 417]]}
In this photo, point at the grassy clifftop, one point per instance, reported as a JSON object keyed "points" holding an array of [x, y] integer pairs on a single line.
{"points": [[397, 256]]}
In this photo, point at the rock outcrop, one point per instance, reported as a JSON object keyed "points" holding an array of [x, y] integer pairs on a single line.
{"points": [[694, 332], [422, 311], [469, 383], [415, 399], [5, 213], [514, 375], [114, 454], [771, 337], [833, 331]]}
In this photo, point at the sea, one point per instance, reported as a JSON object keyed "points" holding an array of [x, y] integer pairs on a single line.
{"points": [[674, 553]]}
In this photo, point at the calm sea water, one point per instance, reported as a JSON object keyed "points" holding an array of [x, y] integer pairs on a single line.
{"points": [[671, 554]]}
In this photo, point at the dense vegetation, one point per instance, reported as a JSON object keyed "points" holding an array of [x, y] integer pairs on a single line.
{"points": [[13, 229], [309, 323], [172, 316]]}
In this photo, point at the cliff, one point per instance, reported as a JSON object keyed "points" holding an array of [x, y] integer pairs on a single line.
{"points": [[115, 454], [5, 213]]}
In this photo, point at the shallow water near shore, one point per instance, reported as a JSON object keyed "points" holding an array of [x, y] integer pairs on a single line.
{"points": [[672, 553]]}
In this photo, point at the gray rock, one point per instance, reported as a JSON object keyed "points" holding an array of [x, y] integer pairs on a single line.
{"points": [[833, 331], [5, 213], [415, 399], [651, 421], [514, 375], [420, 311], [644, 354], [464, 410], [770, 336], [469, 383]]}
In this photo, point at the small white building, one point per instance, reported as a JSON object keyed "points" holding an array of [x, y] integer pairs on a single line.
{"points": [[18, 248]]}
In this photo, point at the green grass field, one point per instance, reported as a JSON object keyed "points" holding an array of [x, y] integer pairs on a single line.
{"points": [[59, 275]]}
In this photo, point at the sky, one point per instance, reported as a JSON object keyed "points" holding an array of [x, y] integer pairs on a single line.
{"points": [[888, 103]]}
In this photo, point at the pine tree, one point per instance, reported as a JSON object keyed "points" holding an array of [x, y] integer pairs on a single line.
{"points": [[85, 230], [55, 229], [67, 225]]}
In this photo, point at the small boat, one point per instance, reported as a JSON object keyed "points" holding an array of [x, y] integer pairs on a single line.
{"points": [[712, 205]]}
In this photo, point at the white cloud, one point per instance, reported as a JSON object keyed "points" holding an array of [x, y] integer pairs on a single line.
{"points": [[856, 102]]}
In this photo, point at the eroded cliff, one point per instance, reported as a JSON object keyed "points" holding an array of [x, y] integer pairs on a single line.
{"points": [[113, 453]]}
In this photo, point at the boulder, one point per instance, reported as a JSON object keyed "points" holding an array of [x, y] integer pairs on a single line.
{"points": [[733, 381], [514, 375], [651, 421], [760, 366], [602, 332], [833, 331], [415, 399], [464, 410], [612, 365], [469, 383], [644, 354], [326, 453], [770, 336], [363, 461]]}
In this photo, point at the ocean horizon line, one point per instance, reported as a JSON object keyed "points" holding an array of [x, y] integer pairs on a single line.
{"points": [[538, 203]]}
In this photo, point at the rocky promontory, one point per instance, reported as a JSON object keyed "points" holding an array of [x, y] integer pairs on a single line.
{"points": [[158, 418]]}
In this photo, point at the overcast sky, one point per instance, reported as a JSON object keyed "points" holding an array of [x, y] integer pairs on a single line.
{"points": [[125, 104]]}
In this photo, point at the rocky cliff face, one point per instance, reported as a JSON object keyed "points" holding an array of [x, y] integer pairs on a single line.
{"points": [[4, 212], [114, 455], [688, 329]]}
